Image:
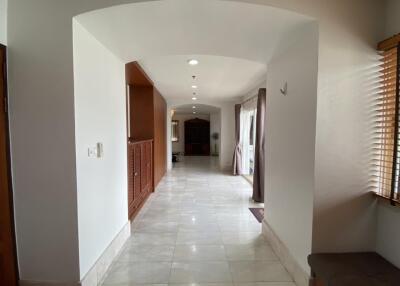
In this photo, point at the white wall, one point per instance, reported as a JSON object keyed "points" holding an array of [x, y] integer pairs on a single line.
{"points": [[388, 230], [344, 210], [227, 136], [180, 145], [290, 143], [43, 139], [100, 116], [392, 19], [3, 22]]}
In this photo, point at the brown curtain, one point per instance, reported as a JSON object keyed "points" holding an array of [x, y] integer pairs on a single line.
{"points": [[259, 155], [237, 155]]}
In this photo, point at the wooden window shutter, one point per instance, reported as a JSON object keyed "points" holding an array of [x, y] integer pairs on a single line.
{"points": [[386, 121]]}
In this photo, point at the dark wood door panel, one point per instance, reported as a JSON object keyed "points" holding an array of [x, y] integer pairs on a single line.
{"points": [[197, 137], [8, 258]]}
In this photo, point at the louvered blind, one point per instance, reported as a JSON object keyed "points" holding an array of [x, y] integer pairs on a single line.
{"points": [[386, 128]]}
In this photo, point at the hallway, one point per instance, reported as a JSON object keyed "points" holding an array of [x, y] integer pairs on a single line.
{"points": [[196, 228]]}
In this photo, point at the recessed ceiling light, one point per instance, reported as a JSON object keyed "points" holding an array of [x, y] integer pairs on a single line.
{"points": [[194, 86], [193, 106], [194, 98], [193, 62]]}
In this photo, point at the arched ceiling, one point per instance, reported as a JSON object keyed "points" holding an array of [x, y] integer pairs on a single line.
{"points": [[216, 77], [233, 41], [200, 109]]}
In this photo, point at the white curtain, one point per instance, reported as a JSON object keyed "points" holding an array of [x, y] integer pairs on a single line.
{"points": [[247, 113]]}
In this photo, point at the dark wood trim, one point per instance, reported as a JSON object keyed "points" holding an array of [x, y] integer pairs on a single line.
{"points": [[389, 43], [13, 265], [139, 141]]}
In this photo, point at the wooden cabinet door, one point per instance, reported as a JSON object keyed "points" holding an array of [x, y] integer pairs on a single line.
{"points": [[143, 174], [146, 168], [131, 192], [137, 174], [149, 166]]}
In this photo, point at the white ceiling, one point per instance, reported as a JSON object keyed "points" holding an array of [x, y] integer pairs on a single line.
{"points": [[233, 41], [217, 78], [200, 109]]}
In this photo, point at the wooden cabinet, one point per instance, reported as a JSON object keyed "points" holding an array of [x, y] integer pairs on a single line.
{"points": [[140, 174], [147, 115]]}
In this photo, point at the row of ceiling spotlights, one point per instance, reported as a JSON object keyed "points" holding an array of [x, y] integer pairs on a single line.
{"points": [[193, 62]]}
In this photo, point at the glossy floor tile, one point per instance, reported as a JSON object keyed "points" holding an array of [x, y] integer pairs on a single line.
{"points": [[199, 253], [196, 230], [206, 272], [259, 271]]}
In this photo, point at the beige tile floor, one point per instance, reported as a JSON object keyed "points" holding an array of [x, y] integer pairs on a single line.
{"points": [[196, 229]]}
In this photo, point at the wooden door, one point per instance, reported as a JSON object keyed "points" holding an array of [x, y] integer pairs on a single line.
{"points": [[8, 260], [197, 137]]}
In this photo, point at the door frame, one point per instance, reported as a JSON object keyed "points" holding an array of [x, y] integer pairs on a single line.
{"points": [[3, 49]]}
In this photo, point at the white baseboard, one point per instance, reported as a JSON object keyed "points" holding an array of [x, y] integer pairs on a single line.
{"points": [[298, 274], [96, 274]]}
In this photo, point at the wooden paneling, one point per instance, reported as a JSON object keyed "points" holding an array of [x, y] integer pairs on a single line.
{"points": [[160, 137], [8, 258], [136, 76], [141, 113]]}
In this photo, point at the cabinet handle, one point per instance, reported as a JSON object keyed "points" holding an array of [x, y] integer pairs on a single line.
{"points": [[136, 173]]}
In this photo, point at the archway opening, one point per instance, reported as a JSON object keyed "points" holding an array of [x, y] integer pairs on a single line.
{"points": [[195, 131], [163, 43]]}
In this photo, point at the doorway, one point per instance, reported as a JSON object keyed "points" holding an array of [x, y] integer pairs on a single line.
{"points": [[195, 131], [8, 260], [197, 137]]}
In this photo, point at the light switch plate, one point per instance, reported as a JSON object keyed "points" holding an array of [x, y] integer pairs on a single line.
{"points": [[96, 151], [92, 152]]}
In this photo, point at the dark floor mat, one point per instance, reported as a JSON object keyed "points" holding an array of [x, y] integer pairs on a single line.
{"points": [[258, 213]]}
